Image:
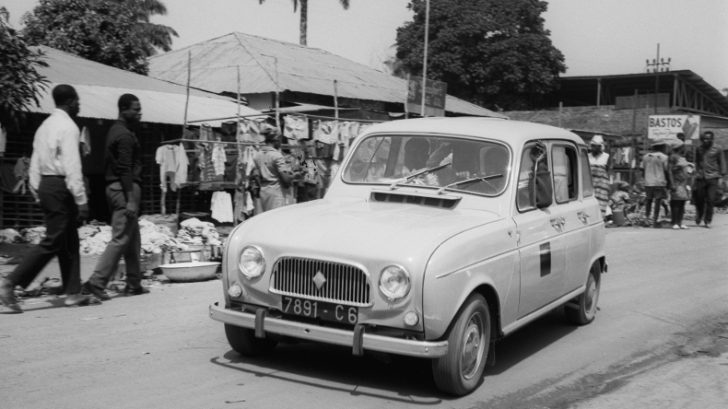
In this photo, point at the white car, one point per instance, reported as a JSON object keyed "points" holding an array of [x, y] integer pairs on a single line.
{"points": [[436, 238]]}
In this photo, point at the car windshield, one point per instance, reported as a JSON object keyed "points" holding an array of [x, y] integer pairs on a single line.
{"points": [[450, 163]]}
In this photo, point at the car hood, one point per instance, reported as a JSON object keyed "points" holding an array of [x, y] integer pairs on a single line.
{"points": [[367, 229]]}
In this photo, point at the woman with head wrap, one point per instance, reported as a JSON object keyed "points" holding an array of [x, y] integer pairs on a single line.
{"points": [[599, 163]]}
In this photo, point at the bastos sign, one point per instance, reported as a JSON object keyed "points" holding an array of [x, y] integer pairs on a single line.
{"points": [[668, 126]]}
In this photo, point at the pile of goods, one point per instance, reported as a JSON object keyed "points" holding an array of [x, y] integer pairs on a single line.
{"points": [[156, 237]]}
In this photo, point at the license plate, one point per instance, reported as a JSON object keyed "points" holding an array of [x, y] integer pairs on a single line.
{"points": [[345, 314]]}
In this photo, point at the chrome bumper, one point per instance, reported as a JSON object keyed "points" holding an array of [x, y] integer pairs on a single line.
{"points": [[358, 340]]}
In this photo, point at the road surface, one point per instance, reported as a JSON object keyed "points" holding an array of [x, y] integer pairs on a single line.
{"points": [[660, 340]]}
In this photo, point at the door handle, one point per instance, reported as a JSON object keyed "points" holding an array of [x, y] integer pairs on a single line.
{"points": [[558, 223], [583, 216]]}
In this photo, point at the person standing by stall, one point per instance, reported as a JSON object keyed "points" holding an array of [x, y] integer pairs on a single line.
{"points": [[56, 182], [599, 164], [680, 171], [655, 167], [274, 173], [710, 167]]}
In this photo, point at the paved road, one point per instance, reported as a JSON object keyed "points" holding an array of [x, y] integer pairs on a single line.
{"points": [[660, 340]]}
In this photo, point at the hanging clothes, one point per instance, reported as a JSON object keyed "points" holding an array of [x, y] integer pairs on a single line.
{"points": [[221, 207], [166, 158], [218, 159]]}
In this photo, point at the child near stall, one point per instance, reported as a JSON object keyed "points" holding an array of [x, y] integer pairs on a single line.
{"points": [[618, 202]]}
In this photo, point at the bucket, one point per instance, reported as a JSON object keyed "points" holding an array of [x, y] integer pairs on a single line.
{"points": [[618, 217]]}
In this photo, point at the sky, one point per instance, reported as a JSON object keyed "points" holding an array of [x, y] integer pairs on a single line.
{"points": [[597, 37]]}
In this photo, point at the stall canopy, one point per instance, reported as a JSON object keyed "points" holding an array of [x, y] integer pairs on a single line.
{"points": [[99, 87], [268, 65]]}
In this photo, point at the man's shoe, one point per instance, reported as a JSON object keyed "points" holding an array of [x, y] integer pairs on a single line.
{"points": [[73, 300], [707, 225], [136, 291], [7, 296], [96, 292]]}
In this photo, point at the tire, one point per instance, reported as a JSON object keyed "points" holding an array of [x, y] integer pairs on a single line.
{"points": [[460, 371], [583, 310], [244, 342]]}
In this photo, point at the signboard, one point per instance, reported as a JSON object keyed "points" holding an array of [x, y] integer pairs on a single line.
{"points": [[434, 98], [668, 126]]}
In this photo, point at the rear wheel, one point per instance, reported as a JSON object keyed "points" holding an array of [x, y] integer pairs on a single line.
{"points": [[459, 372], [244, 342], [583, 310]]}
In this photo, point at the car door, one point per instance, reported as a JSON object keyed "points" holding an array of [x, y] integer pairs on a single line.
{"points": [[571, 211], [541, 244]]}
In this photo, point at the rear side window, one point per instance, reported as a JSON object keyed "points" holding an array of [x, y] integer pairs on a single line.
{"points": [[532, 153], [587, 186], [565, 173]]}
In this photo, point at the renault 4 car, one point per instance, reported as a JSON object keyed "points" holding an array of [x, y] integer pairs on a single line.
{"points": [[436, 238]]}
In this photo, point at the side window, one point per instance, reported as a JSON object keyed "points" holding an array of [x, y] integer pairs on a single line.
{"points": [[526, 192], [587, 186], [565, 173]]}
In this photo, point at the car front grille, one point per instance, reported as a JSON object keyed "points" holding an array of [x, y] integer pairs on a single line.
{"points": [[321, 280]]}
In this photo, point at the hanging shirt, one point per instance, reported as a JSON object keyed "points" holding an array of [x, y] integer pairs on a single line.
{"points": [[218, 159], [221, 207], [56, 152]]}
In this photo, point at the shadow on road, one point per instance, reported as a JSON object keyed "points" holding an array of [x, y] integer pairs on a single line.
{"points": [[385, 376]]}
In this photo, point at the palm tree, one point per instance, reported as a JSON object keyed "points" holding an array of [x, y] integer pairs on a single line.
{"points": [[157, 35], [304, 15]]}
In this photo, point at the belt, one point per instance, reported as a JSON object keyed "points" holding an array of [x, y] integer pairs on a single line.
{"points": [[53, 176]]}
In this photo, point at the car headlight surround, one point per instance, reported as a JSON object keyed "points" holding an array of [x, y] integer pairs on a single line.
{"points": [[394, 283], [251, 262]]}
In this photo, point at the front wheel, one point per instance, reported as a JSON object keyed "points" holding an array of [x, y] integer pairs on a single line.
{"points": [[459, 371], [244, 342], [583, 310]]}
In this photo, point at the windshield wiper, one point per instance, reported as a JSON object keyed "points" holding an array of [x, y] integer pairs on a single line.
{"points": [[418, 173], [469, 180]]}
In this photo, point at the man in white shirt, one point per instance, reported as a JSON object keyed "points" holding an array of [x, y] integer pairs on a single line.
{"points": [[56, 182]]}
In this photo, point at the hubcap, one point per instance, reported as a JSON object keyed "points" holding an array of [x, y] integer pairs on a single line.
{"points": [[473, 346]]}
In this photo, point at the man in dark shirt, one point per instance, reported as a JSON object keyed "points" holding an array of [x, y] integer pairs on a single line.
{"points": [[123, 195], [709, 168]]}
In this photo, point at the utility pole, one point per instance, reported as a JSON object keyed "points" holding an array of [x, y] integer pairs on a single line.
{"points": [[658, 65], [424, 62]]}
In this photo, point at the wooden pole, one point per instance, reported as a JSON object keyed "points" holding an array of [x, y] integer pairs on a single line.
{"points": [[189, 74], [336, 101]]}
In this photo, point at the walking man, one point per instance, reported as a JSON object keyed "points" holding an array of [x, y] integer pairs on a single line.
{"points": [[56, 181], [123, 195], [709, 168]]}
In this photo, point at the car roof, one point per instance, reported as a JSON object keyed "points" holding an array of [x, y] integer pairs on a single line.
{"points": [[512, 132]]}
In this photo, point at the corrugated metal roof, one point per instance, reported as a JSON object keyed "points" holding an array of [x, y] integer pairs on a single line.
{"points": [[99, 87], [268, 65]]}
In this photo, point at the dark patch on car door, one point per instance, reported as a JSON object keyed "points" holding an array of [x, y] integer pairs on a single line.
{"points": [[545, 253]]}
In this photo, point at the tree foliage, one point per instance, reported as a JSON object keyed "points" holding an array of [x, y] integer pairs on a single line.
{"points": [[20, 81], [113, 32], [495, 53], [303, 27]]}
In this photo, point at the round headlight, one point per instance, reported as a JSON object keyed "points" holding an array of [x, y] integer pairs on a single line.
{"points": [[394, 283], [252, 263]]}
